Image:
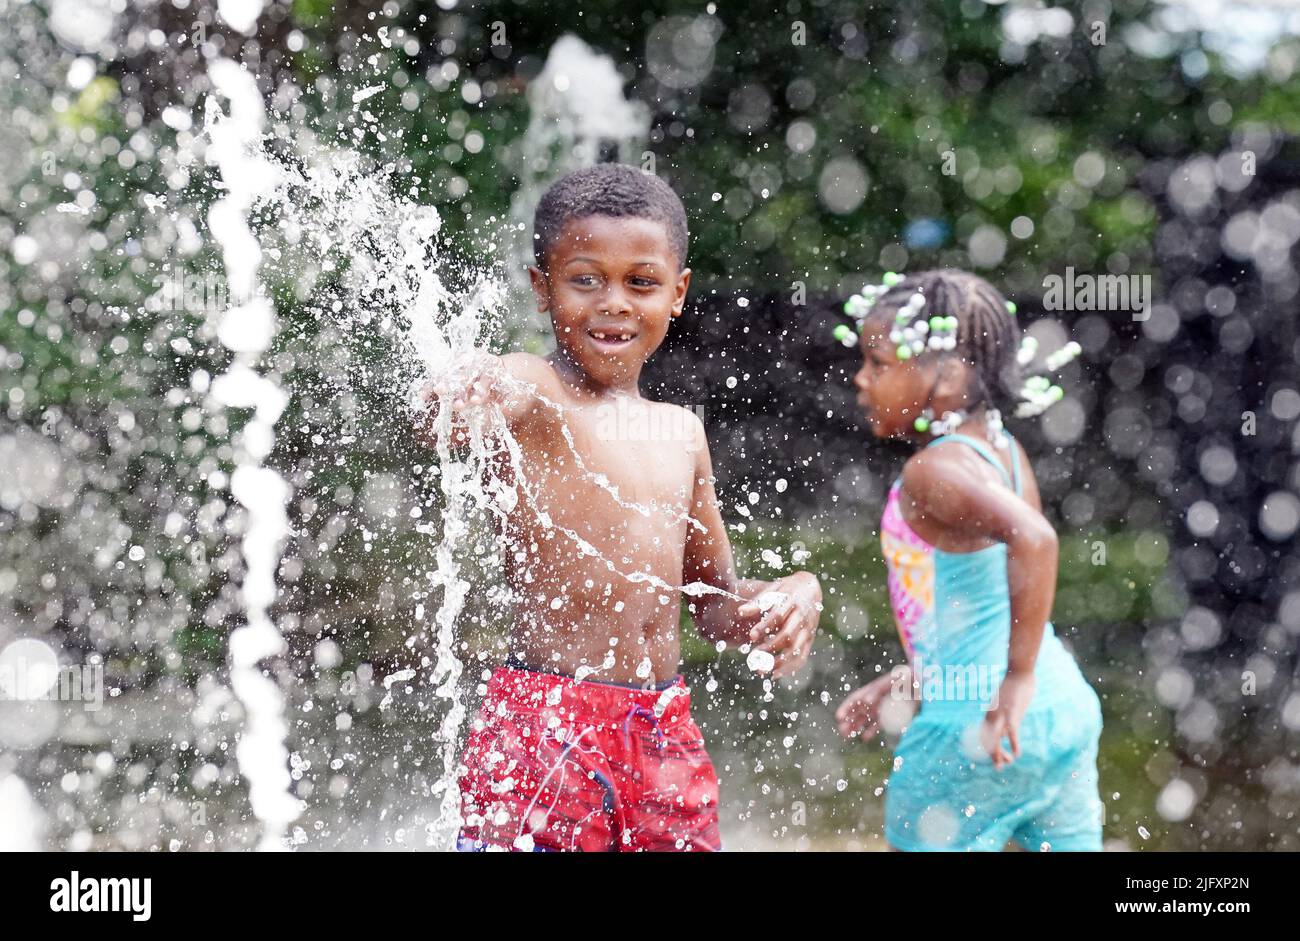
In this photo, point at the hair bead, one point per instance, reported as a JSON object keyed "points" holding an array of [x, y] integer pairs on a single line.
{"points": [[987, 339]]}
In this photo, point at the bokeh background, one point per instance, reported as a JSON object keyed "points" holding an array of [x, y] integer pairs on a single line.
{"points": [[815, 144]]}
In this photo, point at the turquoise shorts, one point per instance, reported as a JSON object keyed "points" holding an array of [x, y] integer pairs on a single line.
{"points": [[945, 793]]}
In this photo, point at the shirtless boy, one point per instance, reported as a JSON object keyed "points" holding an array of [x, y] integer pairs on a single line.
{"points": [[585, 739]]}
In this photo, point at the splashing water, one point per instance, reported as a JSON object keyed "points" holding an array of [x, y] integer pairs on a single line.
{"points": [[577, 116], [247, 330], [334, 206], [21, 821], [118, 552]]}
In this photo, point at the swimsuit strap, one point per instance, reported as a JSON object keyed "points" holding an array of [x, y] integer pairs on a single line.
{"points": [[982, 449], [1015, 460]]}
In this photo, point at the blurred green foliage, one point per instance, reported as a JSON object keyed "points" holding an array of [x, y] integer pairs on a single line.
{"points": [[954, 129]]}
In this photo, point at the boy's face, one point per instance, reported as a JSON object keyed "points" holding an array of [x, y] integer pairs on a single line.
{"points": [[611, 284]]}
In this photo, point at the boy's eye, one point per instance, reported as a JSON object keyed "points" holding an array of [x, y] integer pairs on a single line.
{"points": [[644, 282], [584, 280]]}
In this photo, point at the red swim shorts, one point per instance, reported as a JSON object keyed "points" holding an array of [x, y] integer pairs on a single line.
{"points": [[557, 764]]}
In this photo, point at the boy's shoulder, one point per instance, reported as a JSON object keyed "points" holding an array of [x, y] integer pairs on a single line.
{"points": [[668, 425], [528, 366], [697, 438], [691, 420], [692, 415], [536, 373]]}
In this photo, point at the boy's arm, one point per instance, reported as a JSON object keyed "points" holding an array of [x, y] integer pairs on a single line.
{"points": [[785, 627], [516, 383]]}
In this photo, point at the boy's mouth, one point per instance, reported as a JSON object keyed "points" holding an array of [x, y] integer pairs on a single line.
{"points": [[611, 339]]}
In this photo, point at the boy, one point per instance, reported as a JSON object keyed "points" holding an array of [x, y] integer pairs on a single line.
{"points": [[585, 739]]}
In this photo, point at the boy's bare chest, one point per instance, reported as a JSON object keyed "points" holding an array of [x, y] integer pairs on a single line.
{"points": [[610, 455]]}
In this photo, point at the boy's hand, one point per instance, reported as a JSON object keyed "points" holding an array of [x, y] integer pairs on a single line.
{"points": [[859, 714], [1003, 720], [473, 383], [788, 611]]}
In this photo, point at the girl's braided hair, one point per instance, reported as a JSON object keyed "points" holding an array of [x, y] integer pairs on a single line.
{"points": [[988, 337]]}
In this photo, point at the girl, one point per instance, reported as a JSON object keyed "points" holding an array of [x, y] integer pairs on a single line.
{"points": [[1005, 744]]}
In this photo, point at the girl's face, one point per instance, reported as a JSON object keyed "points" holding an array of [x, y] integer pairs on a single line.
{"points": [[891, 392]]}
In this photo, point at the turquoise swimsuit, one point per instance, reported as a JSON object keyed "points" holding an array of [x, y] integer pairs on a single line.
{"points": [[954, 614]]}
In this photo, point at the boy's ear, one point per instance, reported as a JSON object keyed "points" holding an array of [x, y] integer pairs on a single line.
{"points": [[679, 291], [541, 287]]}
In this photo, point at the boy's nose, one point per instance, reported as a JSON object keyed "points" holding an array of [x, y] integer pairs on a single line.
{"points": [[616, 302]]}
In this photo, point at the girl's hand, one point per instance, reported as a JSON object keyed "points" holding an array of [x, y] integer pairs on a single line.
{"points": [[787, 628], [859, 714], [1003, 720]]}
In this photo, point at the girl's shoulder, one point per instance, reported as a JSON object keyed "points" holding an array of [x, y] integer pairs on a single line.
{"points": [[939, 462], [944, 465], [1029, 487]]}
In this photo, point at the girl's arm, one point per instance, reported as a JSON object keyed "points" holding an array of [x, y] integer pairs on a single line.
{"points": [[859, 713], [951, 495]]}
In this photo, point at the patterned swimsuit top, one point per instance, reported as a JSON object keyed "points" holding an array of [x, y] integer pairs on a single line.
{"points": [[911, 560], [954, 614]]}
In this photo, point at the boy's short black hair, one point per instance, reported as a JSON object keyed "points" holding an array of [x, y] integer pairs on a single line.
{"points": [[608, 189]]}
